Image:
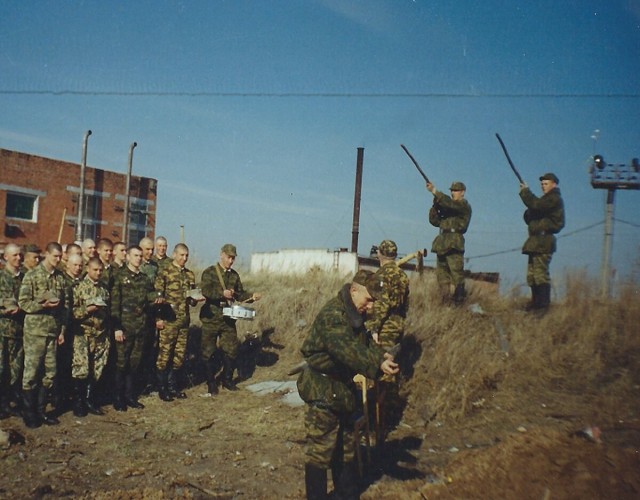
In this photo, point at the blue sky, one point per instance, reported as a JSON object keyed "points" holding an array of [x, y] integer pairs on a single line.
{"points": [[250, 113]]}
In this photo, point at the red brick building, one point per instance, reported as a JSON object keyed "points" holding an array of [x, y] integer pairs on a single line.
{"points": [[39, 202]]}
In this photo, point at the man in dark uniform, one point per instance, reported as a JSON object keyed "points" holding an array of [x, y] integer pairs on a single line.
{"points": [[336, 349], [452, 215], [544, 217], [221, 286]]}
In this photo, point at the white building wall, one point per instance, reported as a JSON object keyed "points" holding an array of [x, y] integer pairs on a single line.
{"points": [[292, 261]]}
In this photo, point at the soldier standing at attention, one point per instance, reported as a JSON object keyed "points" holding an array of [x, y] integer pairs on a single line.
{"points": [[160, 256], [544, 217], [336, 349], [88, 250], [386, 324], [45, 302], [452, 215], [11, 323], [105, 254], [91, 341], [150, 349], [132, 305], [173, 284], [119, 255], [31, 258], [221, 286]]}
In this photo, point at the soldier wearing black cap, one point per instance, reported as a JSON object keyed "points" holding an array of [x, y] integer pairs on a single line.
{"points": [[452, 215], [336, 349], [544, 217]]}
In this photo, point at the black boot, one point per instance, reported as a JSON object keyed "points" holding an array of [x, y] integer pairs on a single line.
{"points": [[5, 406], [119, 403], [43, 394], [163, 390], [348, 486], [79, 401], [544, 297], [535, 300], [16, 397], [130, 392], [30, 413], [172, 385], [92, 406], [315, 481], [210, 373], [459, 295], [227, 373]]}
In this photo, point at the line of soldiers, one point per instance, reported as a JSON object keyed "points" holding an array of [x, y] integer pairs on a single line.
{"points": [[544, 217], [86, 308]]}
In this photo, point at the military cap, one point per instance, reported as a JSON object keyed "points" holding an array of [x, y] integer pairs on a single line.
{"points": [[229, 249], [32, 249], [550, 177], [370, 281], [458, 186], [196, 294], [96, 301], [388, 248], [48, 295]]}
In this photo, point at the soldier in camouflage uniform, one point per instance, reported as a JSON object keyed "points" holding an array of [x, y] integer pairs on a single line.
{"points": [[160, 256], [132, 306], [336, 349], [31, 258], [544, 217], [150, 348], [452, 215], [43, 298], [88, 250], [119, 255], [221, 286], [11, 321], [105, 253], [174, 283], [386, 324], [91, 342]]}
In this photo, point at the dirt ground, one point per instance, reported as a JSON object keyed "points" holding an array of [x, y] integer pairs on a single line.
{"points": [[243, 445]]}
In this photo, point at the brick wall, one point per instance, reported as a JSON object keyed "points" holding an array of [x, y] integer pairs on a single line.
{"points": [[55, 187]]}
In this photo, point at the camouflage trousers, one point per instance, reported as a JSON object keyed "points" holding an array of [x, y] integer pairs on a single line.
{"points": [[39, 361], [129, 353], [538, 269], [219, 334], [11, 359], [90, 355], [450, 268], [329, 437], [172, 343]]}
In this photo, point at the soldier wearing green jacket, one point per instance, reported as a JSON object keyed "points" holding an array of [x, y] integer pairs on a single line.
{"points": [[132, 305], [335, 350], [91, 341], [221, 287], [45, 302], [544, 217], [173, 283], [451, 214], [11, 320]]}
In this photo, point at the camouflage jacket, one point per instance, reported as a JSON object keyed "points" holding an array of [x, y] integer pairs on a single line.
{"points": [[90, 323], [166, 260], [390, 311], [132, 302], [544, 217], [10, 324], [70, 286], [174, 284], [335, 351], [212, 290], [150, 268], [41, 321], [108, 276], [452, 217]]}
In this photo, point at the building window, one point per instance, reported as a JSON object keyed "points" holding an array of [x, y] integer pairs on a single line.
{"points": [[137, 221], [22, 206], [90, 216]]}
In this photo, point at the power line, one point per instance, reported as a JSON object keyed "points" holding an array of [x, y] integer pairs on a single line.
{"points": [[375, 95], [626, 222]]}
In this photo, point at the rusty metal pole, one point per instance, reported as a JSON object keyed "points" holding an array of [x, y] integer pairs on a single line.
{"points": [[356, 202], [83, 167], [127, 195]]}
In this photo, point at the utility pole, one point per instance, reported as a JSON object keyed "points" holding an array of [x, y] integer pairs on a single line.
{"points": [[127, 195], [356, 202], [83, 167], [611, 177]]}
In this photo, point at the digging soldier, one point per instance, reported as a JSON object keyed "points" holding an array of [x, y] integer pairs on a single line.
{"points": [[91, 340], [174, 284], [544, 217], [336, 349], [132, 306], [451, 214], [221, 287], [386, 324], [11, 325], [43, 298]]}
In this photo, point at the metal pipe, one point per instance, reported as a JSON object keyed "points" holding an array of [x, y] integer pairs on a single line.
{"points": [[127, 194], [607, 244], [356, 202], [83, 166]]}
